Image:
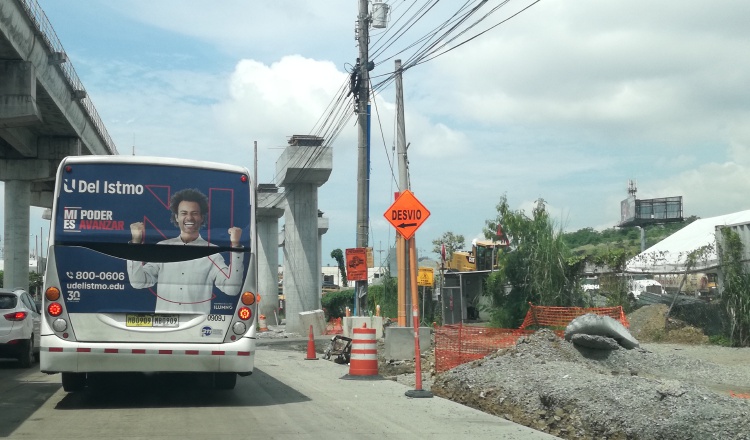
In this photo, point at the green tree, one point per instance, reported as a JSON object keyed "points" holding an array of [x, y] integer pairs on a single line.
{"points": [[538, 268], [611, 282], [736, 282], [593, 243], [335, 303], [385, 295], [338, 255], [453, 242], [36, 284]]}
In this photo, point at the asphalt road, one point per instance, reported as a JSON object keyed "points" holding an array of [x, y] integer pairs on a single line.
{"points": [[286, 397]]}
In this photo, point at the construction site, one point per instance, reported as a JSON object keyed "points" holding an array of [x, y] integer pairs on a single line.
{"points": [[673, 386]]}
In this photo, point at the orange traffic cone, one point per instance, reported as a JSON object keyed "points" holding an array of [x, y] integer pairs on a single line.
{"points": [[311, 356]]}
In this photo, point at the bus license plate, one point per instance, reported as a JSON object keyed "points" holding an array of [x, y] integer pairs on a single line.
{"points": [[152, 320]]}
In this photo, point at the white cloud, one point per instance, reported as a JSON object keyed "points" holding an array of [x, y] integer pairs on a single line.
{"points": [[599, 68], [287, 96]]}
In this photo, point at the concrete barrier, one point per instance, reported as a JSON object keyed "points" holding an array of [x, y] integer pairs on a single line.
{"points": [[399, 342], [316, 318], [350, 322]]}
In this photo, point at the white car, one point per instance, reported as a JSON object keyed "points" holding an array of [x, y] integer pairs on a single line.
{"points": [[20, 321]]}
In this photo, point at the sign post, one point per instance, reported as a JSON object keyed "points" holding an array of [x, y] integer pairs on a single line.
{"points": [[406, 215], [426, 277]]}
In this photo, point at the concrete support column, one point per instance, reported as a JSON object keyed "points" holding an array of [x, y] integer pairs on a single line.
{"points": [[270, 208], [322, 229], [16, 255], [301, 254], [268, 272]]}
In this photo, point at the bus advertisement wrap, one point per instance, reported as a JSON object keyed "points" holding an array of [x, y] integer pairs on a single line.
{"points": [[142, 239]]}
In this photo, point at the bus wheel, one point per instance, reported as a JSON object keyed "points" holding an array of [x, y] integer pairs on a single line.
{"points": [[73, 382], [225, 381]]}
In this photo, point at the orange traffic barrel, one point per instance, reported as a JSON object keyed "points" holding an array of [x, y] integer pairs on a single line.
{"points": [[363, 362]]}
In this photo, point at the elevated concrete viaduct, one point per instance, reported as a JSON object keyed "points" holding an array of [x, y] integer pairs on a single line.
{"points": [[45, 115]]}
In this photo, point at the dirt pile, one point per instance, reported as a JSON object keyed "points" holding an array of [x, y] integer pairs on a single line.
{"points": [[648, 324], [553, 386]]}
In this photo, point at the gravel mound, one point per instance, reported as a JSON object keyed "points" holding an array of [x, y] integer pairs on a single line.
{"points": [[572, 392]]}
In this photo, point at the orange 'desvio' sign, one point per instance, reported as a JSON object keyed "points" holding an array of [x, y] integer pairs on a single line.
{"points": [[406, 214]]}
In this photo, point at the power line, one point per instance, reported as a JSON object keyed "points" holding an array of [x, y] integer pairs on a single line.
{"points": [[340, 109], [477, 35]]}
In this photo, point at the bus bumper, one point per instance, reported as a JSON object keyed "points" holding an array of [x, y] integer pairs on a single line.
{"points": [[58, 356]]}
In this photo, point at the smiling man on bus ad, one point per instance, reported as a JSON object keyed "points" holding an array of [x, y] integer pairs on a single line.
{"points": [[187, 286]]}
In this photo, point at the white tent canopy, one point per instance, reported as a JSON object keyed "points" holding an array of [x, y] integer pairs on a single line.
{"points": [[670, 255]]}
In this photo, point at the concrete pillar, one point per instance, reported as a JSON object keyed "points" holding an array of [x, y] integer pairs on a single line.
{"points": [[302, 168], [301, 254], [16, 232], [270, 207], [322, 229]]}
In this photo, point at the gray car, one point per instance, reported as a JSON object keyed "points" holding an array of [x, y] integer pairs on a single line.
{"points": [[20, 321]]}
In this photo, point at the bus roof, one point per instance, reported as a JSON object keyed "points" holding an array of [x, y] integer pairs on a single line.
{"points": [[151, 160]]}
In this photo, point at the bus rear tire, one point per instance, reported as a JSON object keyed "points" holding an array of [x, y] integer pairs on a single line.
{"points": [[225, 381], [72, 382]]}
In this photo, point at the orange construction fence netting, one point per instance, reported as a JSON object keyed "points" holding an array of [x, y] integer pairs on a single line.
{"points": [[458, 344], [558, 318], [334, 327]]}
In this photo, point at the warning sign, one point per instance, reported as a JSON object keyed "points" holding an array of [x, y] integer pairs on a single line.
{"points": [[426, 277], [356, 264], [406, 214]]}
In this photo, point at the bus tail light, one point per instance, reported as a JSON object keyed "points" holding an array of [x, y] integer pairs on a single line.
{"points": [[248, 298], [52, 293], [245, 313], [54, 309]]}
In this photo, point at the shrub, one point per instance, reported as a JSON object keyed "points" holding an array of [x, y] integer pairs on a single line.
{"points": [[335, 303]]}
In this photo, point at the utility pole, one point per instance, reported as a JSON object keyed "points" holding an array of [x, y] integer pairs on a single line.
{"points": [[402, 251], [362, 99]]}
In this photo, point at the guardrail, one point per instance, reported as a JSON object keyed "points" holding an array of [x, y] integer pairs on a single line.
{"points": [[47, 33]]}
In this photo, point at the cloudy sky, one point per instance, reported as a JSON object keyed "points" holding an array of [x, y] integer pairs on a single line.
{"points": [[566, 101]]}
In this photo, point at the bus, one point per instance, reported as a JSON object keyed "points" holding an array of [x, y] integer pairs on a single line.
{"points": [[150, 269]]}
